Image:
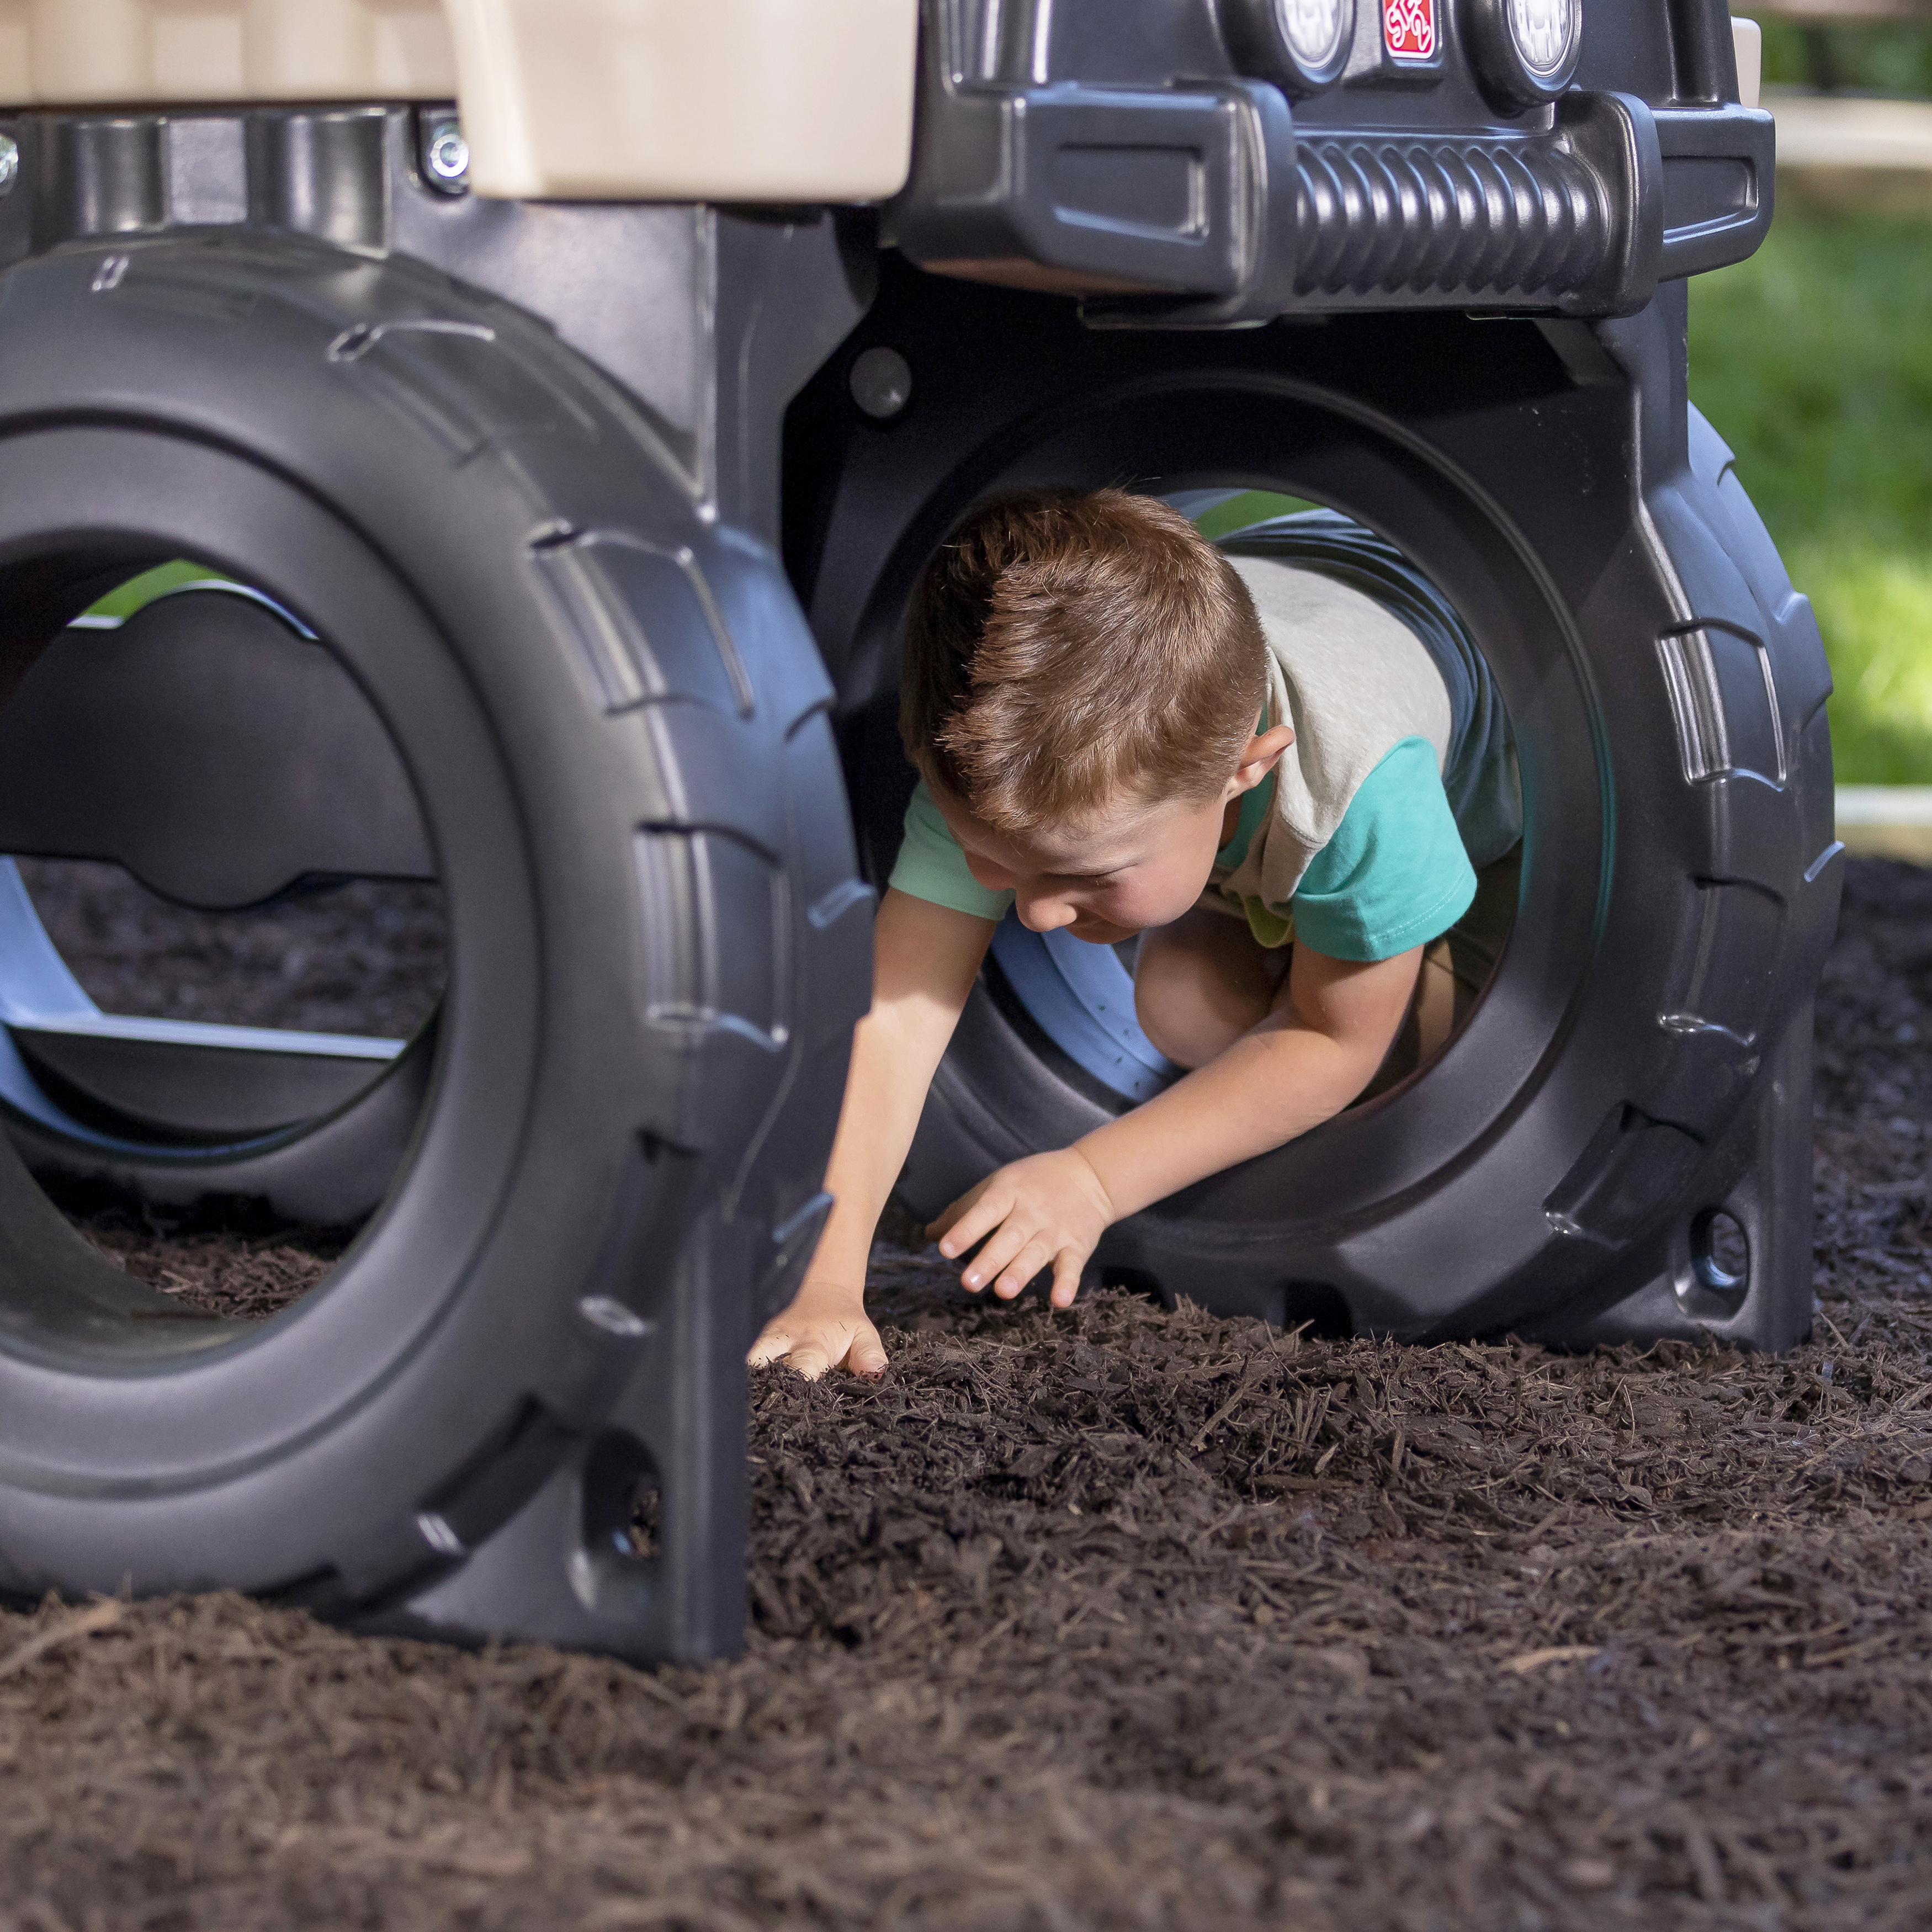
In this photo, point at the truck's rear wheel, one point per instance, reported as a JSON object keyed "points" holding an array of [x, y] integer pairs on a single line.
{"points": [[612, 719]]}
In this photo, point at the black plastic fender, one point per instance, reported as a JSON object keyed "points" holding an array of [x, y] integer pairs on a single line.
{"points": [[1640, 1060]]}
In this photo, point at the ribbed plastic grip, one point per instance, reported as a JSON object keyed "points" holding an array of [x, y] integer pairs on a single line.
{"points": [[1498, 217]]}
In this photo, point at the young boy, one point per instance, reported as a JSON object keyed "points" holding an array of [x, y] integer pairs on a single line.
{"points": [[1121, 731]]}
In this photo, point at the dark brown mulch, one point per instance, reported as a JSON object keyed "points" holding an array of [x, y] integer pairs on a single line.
{"points": [[1119, 1619], [365, 957], [213, 1271]]}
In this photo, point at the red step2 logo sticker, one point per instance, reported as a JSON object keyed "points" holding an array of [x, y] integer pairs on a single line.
{"points": [[1409, 29]]}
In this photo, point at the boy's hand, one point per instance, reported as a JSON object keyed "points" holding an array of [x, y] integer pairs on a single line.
{"points": [[826, 1326], [1051, 1210]]}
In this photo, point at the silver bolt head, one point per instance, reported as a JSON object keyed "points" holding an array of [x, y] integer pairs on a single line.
{"points": [[881, 383], [10, 164], [448, 153]]}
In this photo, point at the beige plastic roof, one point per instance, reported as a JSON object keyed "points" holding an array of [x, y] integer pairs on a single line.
{"points": [[627, 100]]}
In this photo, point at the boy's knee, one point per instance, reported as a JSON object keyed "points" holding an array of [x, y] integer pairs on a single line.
{"points": [[1150, 1010], [1173, 1014], [1199, 985]]}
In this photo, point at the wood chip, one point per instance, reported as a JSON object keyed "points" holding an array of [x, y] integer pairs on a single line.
{"points": [[98, 1616], [1561, 1653]]}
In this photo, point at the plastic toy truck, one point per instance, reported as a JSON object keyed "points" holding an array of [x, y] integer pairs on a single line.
{"points": [[563, 399]]}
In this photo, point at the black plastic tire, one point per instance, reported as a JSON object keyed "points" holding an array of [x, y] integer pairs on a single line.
{"points": [[614, 720], [1641, 1059]]}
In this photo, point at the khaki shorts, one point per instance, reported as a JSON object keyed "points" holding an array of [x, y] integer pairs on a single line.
{"points": [[1455, 969]]}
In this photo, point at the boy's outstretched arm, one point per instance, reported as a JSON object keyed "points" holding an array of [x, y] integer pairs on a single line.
{"points": [[1331, 1024], [924, 959]]}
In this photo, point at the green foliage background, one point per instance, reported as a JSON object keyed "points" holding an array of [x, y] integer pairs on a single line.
{"points": [[1869, 57], [1813, 360]]}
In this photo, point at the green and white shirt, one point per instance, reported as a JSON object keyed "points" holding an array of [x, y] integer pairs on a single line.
{"points": [[1350, 845]]}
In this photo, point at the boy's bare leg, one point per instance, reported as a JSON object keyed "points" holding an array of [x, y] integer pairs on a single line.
{"points": [[1202, 982]]}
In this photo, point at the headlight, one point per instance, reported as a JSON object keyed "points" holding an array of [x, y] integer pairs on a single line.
{"points": [[1316, 32], [1300, 45], [1546, 33], [1525, 50]]}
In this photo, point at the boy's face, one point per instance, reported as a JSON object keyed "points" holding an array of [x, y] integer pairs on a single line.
{"points": [[1123, 867]]}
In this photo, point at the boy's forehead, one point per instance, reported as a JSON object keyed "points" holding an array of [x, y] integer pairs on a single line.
{"points": [[1108, 836]]}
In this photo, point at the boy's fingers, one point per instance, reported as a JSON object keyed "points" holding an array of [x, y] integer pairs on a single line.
{"points": [[808, 1350], [798, 1348], [985, 1214], [990, 1259], [773, 1346], [1066, 1267], [1022, 1269], [947, 1215], [810, 1359], [867, 1355]]}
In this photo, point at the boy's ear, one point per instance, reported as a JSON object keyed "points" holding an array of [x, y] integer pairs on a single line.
{"points": [[1260, 757]]}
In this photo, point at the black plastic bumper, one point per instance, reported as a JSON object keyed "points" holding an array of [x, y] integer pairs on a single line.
{"points": [[1209, 204]]}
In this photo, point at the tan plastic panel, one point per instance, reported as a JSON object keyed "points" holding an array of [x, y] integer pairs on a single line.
{"points": [[688, 100], [75, 52], [616, 100], [1748, 39]]}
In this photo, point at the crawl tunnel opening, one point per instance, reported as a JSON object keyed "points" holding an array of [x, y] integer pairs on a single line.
{"points": [[1467, 511], [224, 949]]}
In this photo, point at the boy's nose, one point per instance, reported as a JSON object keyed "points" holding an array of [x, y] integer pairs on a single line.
{"points": [[1043, 913]]}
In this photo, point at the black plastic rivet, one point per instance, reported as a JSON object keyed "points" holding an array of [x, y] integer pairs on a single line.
{"points": [[881, 383]]}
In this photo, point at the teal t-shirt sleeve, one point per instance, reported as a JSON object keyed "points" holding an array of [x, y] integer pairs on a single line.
{"points": [[931, 865], [1395, 873]]}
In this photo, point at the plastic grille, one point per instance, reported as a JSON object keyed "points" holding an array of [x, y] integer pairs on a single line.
{"points": [[1500, 216]]}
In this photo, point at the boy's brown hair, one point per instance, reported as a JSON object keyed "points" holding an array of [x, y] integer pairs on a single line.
{"points": [[1065, 648]]}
